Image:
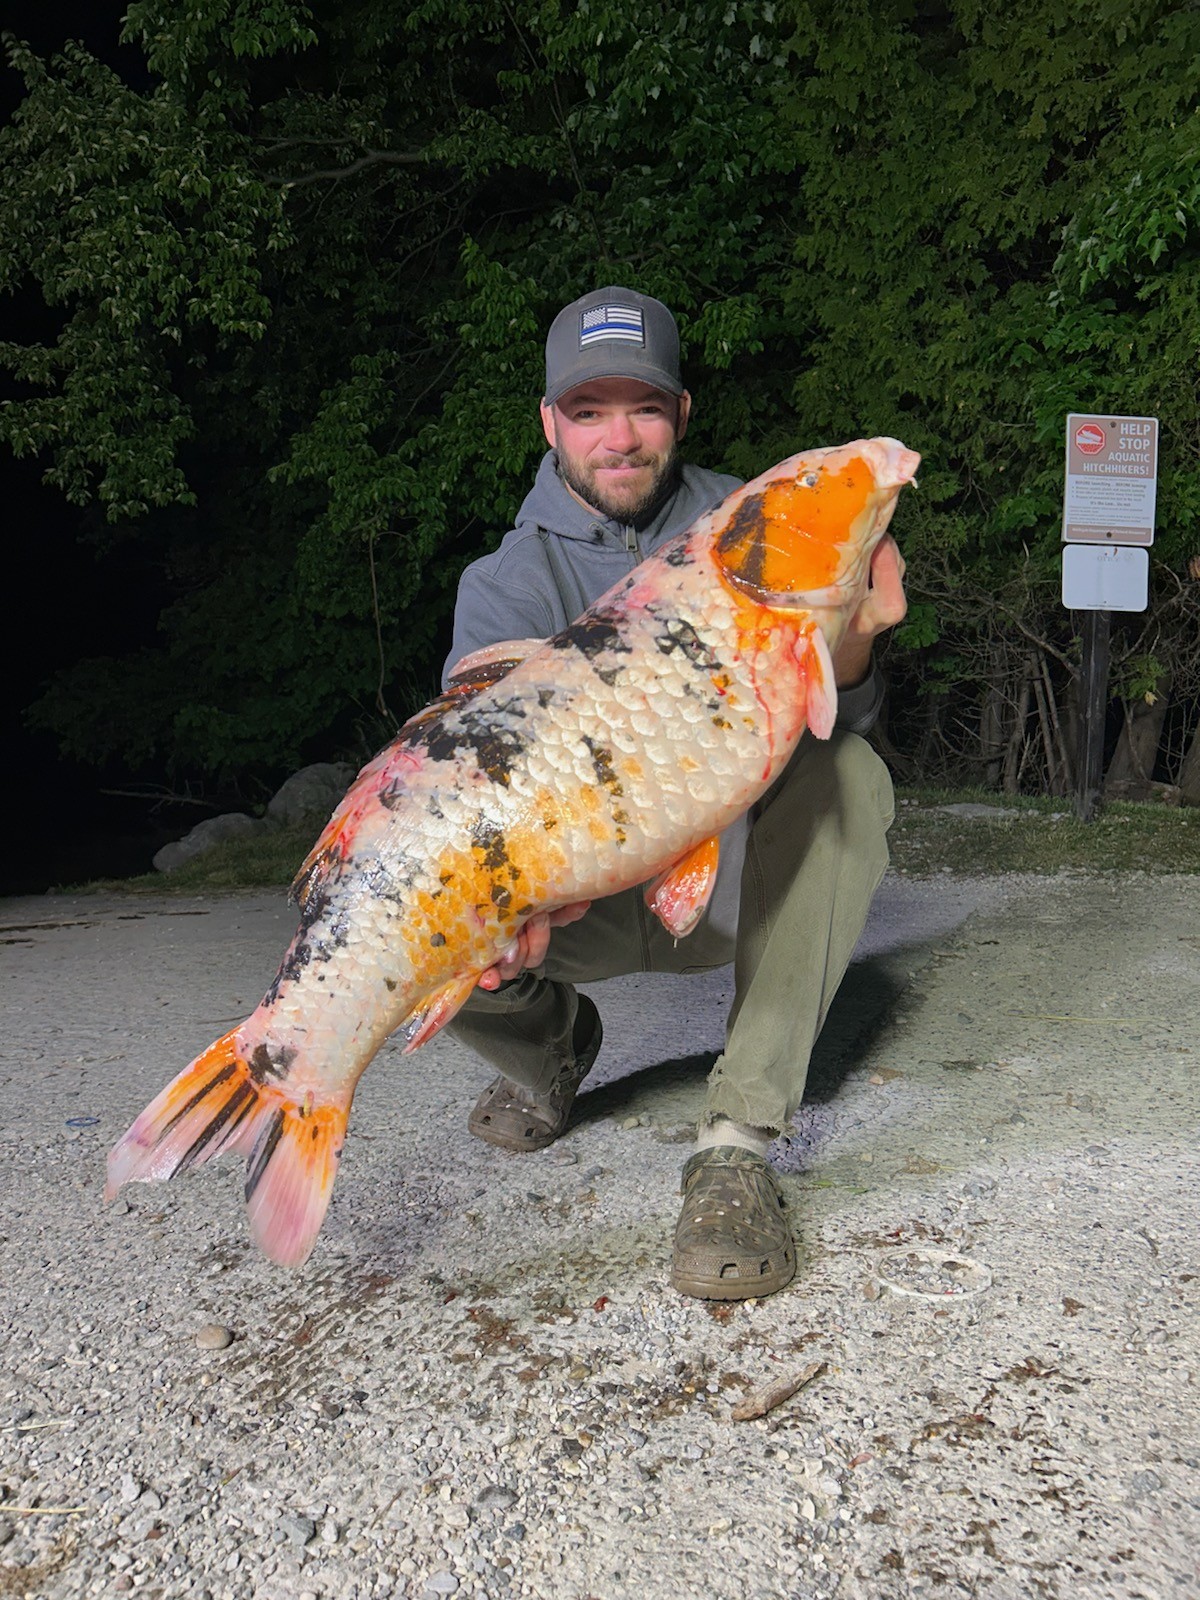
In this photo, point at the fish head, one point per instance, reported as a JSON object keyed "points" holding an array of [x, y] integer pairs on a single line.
{"points": [[802, 534]]}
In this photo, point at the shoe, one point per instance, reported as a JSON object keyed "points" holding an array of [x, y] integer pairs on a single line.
{"points": [[512, 1118], [732, 1240]]}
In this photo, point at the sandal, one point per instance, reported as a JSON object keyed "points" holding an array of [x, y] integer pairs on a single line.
{"points": [[732, 1241], [512, 1118]]}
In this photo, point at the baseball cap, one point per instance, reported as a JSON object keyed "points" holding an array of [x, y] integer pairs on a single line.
{"points": [[612, 333]]}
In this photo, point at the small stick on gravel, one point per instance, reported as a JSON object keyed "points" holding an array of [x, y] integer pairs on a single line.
{"points": [[42, 1511], [759, 1401]]}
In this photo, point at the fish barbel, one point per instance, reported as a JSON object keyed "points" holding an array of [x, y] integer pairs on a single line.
{"points": [[610, 755]]}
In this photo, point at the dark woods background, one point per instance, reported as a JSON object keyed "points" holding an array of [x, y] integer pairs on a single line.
{"points": [[276, 278]]}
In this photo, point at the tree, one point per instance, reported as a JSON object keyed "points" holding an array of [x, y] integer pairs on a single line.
{"points": [[304, 272]]}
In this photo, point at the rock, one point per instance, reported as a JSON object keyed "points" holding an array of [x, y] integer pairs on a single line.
{"points": [[296, 1530], [212, 1336], [442, 1582], [310, 794], [130, 1488], [494, 1497], [203, 837], [1145, 1482]]}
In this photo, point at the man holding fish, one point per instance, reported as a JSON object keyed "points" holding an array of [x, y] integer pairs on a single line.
{"points": [[656, 776], [796, 873]]}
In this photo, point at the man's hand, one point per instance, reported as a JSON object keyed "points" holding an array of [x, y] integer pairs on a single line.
{"points": [[529, 948], [881, 608]]}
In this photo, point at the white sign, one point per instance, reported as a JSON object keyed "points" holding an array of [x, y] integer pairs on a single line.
{"points": [[1112, 476], [1105, 578]]}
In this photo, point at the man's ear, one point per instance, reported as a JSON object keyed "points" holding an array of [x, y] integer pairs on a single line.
{"points": [[547, 415], [684, 412]]}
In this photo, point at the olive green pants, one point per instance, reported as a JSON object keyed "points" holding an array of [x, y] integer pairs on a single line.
{"points": [[814, 856]]}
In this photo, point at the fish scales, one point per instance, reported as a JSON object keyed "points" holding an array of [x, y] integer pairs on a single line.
{"points": [[606, 757]]}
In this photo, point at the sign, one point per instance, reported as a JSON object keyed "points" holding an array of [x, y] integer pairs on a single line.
{"points": [[1112, 578], [1112, 478]]}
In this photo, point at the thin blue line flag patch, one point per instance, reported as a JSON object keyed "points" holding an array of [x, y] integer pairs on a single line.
{"points": [[611, 322]]}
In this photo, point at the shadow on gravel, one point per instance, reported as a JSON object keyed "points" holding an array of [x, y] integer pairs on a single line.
{"points": [[672, 1091], [665, 1088], [861, 1011]]}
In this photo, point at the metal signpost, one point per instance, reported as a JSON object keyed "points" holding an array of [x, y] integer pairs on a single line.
{"points": [[1108, 523]]}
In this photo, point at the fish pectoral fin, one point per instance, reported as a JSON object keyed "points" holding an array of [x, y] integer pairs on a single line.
{"points": [[821, 697], [433, 1014], [221, 1103], [679, 895]]}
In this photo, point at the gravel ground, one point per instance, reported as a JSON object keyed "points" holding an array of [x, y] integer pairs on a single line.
{"points": [[482, 1384]]}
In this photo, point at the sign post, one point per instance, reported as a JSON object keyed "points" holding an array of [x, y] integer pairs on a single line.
{"points": [[1108, 505]]}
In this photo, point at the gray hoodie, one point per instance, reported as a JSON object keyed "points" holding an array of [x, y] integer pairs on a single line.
{"points": [[560, 558]]}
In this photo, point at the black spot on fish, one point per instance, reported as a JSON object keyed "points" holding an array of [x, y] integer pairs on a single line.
{"points": [[544, 697], [264, 1065], [438, 940], [593, 635], [741, 544], [602, 765], [390, 985], [679, 554], [680, 635], [501, 898], [491, 841], [435, 810], [487, 734]]}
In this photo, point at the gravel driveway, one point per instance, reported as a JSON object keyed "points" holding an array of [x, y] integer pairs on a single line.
{"points": [[481, 1383]]}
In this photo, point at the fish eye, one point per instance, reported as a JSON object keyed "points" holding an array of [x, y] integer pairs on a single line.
{"points": [[809, 480]]}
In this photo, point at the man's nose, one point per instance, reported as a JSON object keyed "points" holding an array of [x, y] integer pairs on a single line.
{"points": [[621, 433]]}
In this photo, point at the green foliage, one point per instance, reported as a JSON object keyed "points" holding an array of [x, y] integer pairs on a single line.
{"points": [[304, 273]]}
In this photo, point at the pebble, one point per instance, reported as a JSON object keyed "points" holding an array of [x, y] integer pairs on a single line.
{"points": [[441, 1583], [629, 1123], [1145, 1482], [494, 1497], [130, 1488], [212, 1336], [297, 1530], [566, 1158]]}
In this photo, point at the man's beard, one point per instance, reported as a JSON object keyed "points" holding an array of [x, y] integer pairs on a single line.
{"points": [[633, 513]]}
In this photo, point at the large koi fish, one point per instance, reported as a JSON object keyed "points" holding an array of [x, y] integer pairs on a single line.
{"points": [[611, 755]]}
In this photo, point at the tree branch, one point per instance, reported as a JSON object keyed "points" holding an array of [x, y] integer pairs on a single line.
{"points": [[372, 158]]}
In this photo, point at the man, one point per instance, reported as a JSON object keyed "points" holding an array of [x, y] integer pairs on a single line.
{"points": [[796, 875]]}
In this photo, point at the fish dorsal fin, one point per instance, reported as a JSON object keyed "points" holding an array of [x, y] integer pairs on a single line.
{"points": [[474, 673], [679, 895]]}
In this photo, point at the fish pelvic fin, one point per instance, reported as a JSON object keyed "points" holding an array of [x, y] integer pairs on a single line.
{"points": [[433, 1014], [678, 897], [222, 1102], [821, 696]]}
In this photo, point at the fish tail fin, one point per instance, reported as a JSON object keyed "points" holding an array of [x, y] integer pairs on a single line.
{"points": [[221, 1103]]}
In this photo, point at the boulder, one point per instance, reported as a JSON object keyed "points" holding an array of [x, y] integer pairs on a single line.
{"points": [[212, 831], [309, 795]]}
